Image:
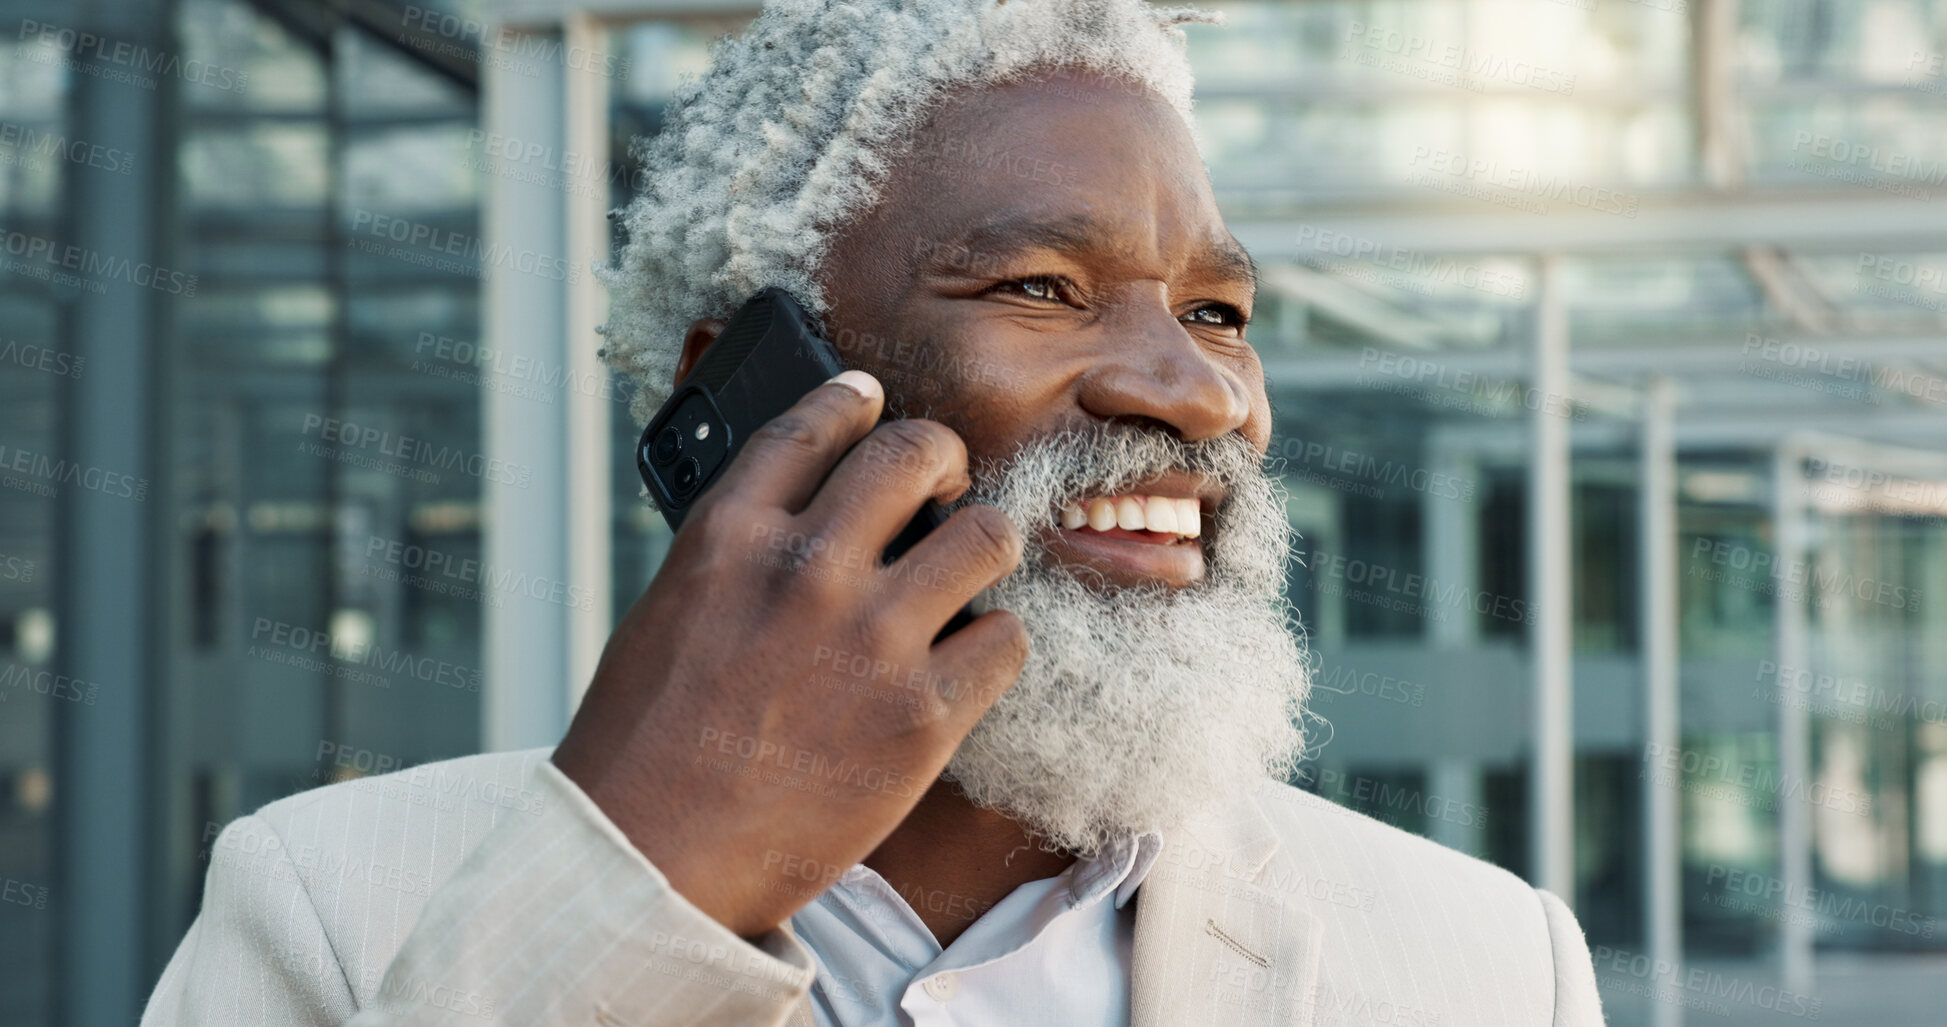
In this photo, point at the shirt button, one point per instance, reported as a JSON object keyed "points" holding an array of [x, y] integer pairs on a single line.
{"points": [[942, 986]]}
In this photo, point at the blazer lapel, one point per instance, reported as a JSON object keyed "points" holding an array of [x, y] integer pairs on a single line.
{"points": [[1215, 943]]}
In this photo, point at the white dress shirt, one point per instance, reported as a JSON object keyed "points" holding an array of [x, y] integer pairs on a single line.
{"points": [[1055, 951]]}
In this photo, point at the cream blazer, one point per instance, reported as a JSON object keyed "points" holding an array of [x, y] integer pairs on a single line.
{"points": [[491, 890]]}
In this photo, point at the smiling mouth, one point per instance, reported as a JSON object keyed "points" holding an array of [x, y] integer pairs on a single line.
{"points": [[1137, 517]]}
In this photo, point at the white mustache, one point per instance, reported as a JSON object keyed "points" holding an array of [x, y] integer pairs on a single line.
{"points": [[1046, 474]]}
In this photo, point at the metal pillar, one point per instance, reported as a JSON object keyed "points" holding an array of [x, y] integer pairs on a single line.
{"points": [[107, 625], [1551, 788], [524, 694], [1450, 537], [1793, 640], [1657, 543], [540, 653], [590, 546]]}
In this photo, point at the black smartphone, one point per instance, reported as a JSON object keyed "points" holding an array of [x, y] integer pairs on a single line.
{"points": [[769, 355]]}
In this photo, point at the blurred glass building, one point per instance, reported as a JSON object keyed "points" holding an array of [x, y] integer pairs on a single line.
{"points": [[1606, 339]]}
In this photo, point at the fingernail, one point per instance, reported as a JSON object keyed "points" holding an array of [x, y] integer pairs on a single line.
{"points": [[861, 383]]}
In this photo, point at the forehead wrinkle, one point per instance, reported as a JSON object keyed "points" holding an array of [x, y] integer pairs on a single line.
{"points": [[1064, 233], [1079, 234]]}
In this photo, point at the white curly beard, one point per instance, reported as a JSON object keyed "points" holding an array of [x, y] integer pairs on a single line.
{"points": [[1137, 707]]}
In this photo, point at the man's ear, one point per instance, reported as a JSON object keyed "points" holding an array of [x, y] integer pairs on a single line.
{"points": [[702, 333]]}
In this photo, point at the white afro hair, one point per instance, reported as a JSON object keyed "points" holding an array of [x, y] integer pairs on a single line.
{"points": [[793, 129]]}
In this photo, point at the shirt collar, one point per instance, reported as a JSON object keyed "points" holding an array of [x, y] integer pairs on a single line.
{"points": [[1121, 867]]}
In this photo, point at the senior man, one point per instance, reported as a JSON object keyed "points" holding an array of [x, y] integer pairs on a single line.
{"points": [[786, 798]]}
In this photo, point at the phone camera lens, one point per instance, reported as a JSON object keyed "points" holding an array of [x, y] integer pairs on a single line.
{"points": [[687, 474], [669, 443]]}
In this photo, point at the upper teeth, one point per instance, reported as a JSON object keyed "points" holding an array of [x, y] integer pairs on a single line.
{"points": [[1136, 513]]}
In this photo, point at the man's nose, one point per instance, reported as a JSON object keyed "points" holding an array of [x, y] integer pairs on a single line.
{"points": [[1152, 367]]}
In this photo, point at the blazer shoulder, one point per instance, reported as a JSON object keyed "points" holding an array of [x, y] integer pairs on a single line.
{"points": [[1303, 819], [478, 784], [1408, 920], [368, 853]]}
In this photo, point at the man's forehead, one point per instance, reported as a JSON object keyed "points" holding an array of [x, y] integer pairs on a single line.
{"points": [[1087, 167]]}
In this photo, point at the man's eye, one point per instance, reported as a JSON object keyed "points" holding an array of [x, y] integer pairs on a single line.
{"points": [[1218, 314], [1037, 287]]}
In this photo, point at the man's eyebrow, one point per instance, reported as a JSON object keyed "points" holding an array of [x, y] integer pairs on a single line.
{"points": [[1080, 233], [1230, 259]]}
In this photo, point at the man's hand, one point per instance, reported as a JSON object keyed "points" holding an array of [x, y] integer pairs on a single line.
{"points": [[774, 705]]}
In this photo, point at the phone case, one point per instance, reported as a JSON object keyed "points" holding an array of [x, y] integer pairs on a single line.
{"points": [[770, 354]]}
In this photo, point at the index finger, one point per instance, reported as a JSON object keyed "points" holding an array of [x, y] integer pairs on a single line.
{"points": [[785, 460]]}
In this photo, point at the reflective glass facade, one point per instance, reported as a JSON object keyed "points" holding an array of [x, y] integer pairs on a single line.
{"points": [[296, 490]]}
